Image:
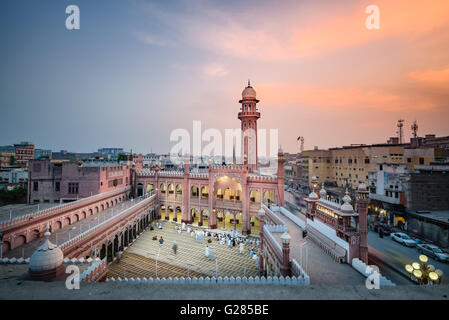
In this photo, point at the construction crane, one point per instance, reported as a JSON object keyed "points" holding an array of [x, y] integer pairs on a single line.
{"points": [[400, 132], [415, 129]]}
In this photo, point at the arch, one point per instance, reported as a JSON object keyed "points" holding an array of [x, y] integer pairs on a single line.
{"points": [[171, 189], [178, 213], [194, 191], [56, 226], [170, 213], [112, 203], [163, 188], [179, 190], [238, 195], [194, 216], [67, 221], [269, 196], [76, 217], [150, 187], [85, 215], [116, 201], [254, 196], [162, 211], [102, 207], [6, 246], [228, 194], [139, 189], [107, 205], [204, 218], [205, 192], [35, 235], [227, 187], [20, 240]]}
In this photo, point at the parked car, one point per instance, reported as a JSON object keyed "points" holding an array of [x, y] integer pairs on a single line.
{"points": [[433, 251], [385, 227], [404, 239]]}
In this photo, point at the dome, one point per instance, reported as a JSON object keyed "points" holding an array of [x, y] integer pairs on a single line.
{"points": [[347, 203], [47, 257], [362, 187], [249, 92], [323, 192], [313, 195]]}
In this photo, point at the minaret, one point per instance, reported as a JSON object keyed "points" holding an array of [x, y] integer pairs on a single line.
{"points": [[280, 175], [362, 206], [248, 116]]}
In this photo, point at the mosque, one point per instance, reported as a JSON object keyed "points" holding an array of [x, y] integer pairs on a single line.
{"points": [[222, 196]]}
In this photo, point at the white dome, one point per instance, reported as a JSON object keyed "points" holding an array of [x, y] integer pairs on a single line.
{"points": [[362, 187], [347, 203], [313, 195], [323, 192], [47, 257]]}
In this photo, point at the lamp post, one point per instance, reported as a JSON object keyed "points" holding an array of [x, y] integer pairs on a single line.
{"points": [[424, 273]]}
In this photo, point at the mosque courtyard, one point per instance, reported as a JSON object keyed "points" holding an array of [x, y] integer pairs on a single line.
{"points": [[139, 260]]}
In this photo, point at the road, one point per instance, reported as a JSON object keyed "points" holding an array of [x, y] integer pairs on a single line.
{"points": [[399, 255], [69, 232]]}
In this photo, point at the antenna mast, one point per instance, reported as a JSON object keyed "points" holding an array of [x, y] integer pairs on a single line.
{"points": [[400, 131], [415, 129]]}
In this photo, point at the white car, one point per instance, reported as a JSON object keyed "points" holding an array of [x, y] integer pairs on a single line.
{"points": [[403, 239]]}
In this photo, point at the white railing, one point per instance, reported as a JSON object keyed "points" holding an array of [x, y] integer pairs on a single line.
{"points": [[299, 272], [293, 218], [287, 281], [268, 236]]}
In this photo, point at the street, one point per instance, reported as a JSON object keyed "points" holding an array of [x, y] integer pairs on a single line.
{"points": [[399, 255]]}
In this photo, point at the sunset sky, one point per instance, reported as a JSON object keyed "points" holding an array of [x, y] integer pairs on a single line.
{"points": [[136, 70]]}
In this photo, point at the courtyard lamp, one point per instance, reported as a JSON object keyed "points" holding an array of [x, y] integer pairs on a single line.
{"points": [[424, 273]]}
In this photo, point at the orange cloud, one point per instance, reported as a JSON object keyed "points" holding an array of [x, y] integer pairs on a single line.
{"points": [[438, 77], [341, 98], [317, 33]]}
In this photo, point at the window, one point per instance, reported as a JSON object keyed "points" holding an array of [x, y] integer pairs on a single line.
{"points": [[57, 186], [409, 160], [35, 186], [381, 167], [73, 187], [421, 160]]}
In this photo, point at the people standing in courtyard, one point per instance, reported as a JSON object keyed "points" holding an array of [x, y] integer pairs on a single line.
{"points": [[251, 253], [242, 247], [161, 241], [207, 251], [175, 247]]}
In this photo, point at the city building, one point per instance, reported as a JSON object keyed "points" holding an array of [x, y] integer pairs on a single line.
{"points": [[7, 159], [24, 153], [349, 166], [42, 153], [111, 153], [51, 181], [13, 177]]}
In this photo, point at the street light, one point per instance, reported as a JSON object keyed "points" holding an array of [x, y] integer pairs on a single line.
{"points": [[424, 273]]}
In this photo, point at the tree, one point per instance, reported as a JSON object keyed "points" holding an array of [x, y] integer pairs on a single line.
{"points": [[12, 160]]}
